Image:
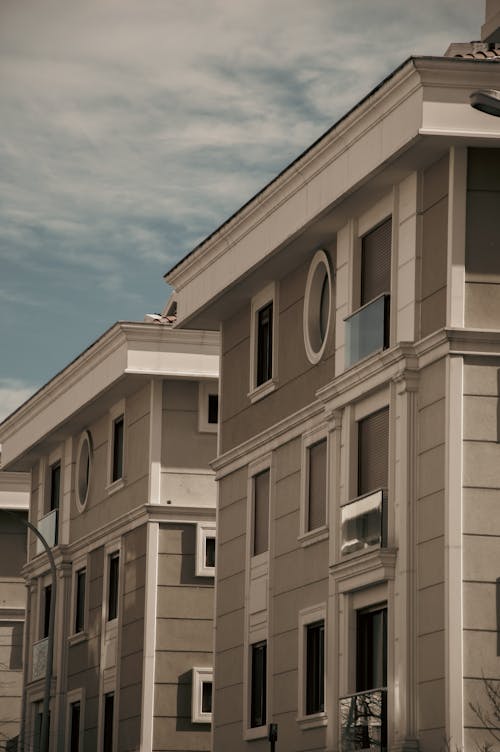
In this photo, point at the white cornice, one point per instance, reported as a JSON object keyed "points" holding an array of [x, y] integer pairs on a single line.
{"points": [[126, 348]]}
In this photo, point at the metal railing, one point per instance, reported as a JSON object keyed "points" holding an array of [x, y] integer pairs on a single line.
{"points": [[363, 721]]}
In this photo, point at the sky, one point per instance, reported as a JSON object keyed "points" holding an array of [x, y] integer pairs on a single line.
{"points": [[131, 129]]}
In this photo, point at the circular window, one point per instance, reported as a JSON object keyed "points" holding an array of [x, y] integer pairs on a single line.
{"points": [[83, 468], [317, 306]]}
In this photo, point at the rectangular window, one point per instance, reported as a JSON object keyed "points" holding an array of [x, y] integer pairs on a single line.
{"points": [[201, 695], [209, 552], [107, 736], [264, 344], [47, 598], [261, 512], [55, 486], [315, 668], [206, 697], [376, 262], [80, 583], [258, 690], [371, 649], [117, 467], [37, 726], [213, 408], [74, 729], [113, 583], [373, 451], [316, 491]]}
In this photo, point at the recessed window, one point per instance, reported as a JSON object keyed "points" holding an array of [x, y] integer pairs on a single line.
{"points": [[258, 688], [108, 722], [263, 343], [55, 486], [317, 307], [205, 549], [260, 513], [316, 487], [47, 599], [208, 406], [201, 698], [113, 584], [74, 726], [83, 469], [315, 667], [373, 451], [117, 466], [80, 586]]}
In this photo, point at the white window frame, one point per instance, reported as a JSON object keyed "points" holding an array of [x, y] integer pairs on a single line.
{"points": [[308, 537], [308, 616], [204, 530], [116, 412], [78, 565], [205, 389], [268, 295], [311, 307], [75, 695], [200, 676], [85, 437]]}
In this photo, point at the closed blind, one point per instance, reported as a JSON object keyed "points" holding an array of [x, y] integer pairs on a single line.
{"points": [[373, 451], [317, 485], [261, 513], [376, 262]]}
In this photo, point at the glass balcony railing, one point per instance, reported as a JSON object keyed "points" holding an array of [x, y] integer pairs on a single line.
{"points": [[367, 330], [363, 721], [39, 659], [364, 522], [48, 528]]}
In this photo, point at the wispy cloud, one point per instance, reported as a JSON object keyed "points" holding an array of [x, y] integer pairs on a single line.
{"points": [[12, 394]]}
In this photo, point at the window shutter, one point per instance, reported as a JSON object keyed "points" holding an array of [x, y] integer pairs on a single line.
{"points": [[261, 513], [373, 447], [317, 485], [376, 262]]}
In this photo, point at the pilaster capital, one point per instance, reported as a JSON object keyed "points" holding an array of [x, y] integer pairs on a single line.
{"points": [[406, 380]]}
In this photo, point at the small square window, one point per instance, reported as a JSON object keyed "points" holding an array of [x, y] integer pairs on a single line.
{"points": [[205, 549], [201, 696], [113, 584], [258, 687]]}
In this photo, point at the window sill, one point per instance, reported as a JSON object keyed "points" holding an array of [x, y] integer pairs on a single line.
{"points": [[314, 536], [259, 732], [75, 639], [312, 721], [115, 486], [261, 391]]}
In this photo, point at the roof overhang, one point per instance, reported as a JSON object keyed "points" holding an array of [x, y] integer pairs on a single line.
{"points": [[108, 370], [408, 121]]}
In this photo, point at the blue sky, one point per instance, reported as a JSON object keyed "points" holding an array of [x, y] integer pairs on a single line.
{"points": [[132, 128]]}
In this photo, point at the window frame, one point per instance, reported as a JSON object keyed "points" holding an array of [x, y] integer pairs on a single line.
{"points": [[200, 676], [256, 728], [116, 412], [204, 531], [267, 296], [72, 697], [266, 469], [207, 389], [111, 556], [78, 566], [310, 439], [105, 695], [308, 617]]}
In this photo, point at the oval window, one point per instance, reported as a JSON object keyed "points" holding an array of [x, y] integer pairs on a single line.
{"points": [[317, 306], [83, 469]]}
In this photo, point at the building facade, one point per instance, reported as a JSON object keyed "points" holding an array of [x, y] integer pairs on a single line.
{"points": [[358, 300], [14, 505], [118, 446]]}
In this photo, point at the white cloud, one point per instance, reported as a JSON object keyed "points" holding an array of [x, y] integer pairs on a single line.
{"points": [[12, 394]]}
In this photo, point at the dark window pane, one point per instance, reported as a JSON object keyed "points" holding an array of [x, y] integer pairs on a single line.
{"points": [[74, 727], [371, 656], [47, 598], [114, 563], [80, 600], [213, 408], [55, 486], [315, 668], [261, 513], [258, 688], [206, 697], [373, 451], [109, 702], [210, 552], [264, 344], [376, 262], [316, 516], [117, 449]]}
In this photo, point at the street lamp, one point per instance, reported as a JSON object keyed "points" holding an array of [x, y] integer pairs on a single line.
{"points": [[486, 100]]}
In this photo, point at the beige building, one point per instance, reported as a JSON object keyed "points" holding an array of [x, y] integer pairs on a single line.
{"points": [[358, 539], [14, 505], [118, 445]]}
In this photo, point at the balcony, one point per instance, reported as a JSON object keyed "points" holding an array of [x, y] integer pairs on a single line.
{"points": [[363, 721], [39, 659], [47, 525], [364, 522], [367, 330]]}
